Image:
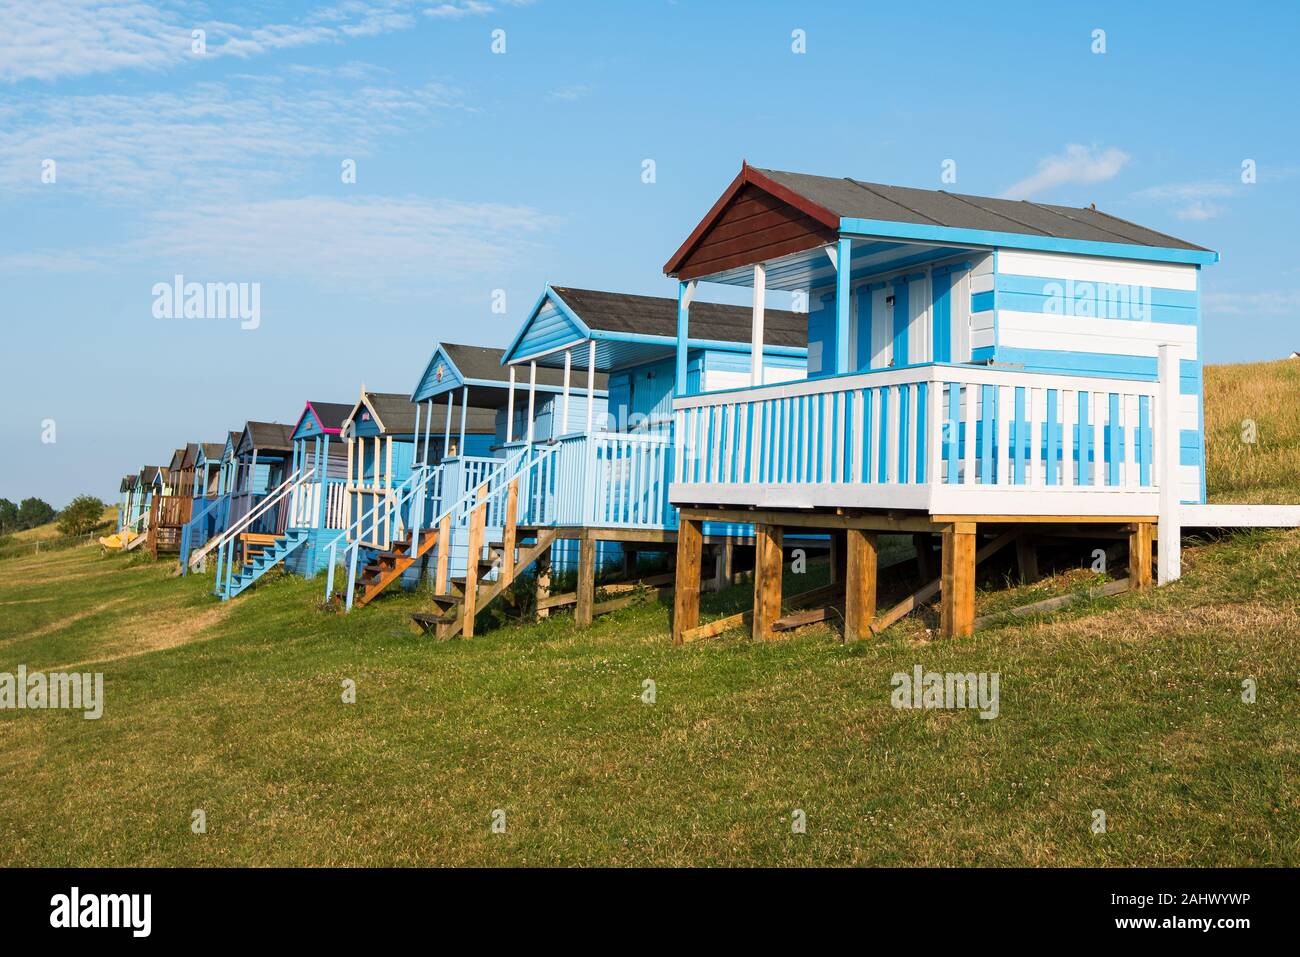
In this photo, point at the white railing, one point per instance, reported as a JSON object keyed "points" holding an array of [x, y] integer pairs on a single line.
{"points": [[225, 543], [943, 438], [304, 504], [605, 480]]}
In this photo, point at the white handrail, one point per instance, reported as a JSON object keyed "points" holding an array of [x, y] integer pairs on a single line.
{"points": [[229, 536]]}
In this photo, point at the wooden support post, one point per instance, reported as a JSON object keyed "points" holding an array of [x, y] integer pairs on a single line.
{"points": [[582, 614], [543, 581], [836, 558], [1027, 559], [629, 563], [686, 595], [860, 574], [957, 606], [924, 554], [444, 553], [477, 519], [508, 533], [767, 579], [1140, 538], [729, 563]]}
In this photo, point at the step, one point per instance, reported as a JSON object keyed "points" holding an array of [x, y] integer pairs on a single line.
{"points": [[448, 600], [429, 621]]}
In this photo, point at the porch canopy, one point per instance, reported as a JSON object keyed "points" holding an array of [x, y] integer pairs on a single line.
{"points": [[796, 232], [602, 332]]}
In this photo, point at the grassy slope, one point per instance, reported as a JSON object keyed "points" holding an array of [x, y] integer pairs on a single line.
{"points": [[1267, 470], [107, 522], [1131, 705]]}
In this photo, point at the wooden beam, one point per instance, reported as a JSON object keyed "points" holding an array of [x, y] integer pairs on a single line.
{"points": [[583, 613], [860, 577], [926, 592], [719, 625], [768, 570], [1141, 537], [1042, 519], [957, 604], [686, 597], [1027, 559], [924, 554], [874, 521], [800, 619], [1060, 601]]}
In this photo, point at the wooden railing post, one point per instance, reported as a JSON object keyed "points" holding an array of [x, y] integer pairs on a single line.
{"points": [[477, 520], [508, 532], [444, 553]]}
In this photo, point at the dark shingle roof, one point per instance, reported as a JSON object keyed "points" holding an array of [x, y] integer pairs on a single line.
{"points": [[657, 316], [191, 455], [212, 450], [484, 363], [331, 414], [853, 198], [397, 414], [271, 436], [178, 457]]}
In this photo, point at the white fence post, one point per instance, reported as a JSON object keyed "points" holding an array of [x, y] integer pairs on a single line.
{"points": [[1170, 531]]}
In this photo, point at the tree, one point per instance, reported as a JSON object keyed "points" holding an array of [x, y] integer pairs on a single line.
{"points": [[33, 512], [8, 516], [82, 515]]}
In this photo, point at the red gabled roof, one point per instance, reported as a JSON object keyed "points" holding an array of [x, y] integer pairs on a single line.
{"points": [[748, 175]]}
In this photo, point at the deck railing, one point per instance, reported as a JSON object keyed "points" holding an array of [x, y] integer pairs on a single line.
{"points": [[604, 480], [943, 438], [304, 504]]}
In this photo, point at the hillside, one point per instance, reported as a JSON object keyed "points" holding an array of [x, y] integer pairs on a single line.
{"points": [[1131, 705], [1266, 396]]}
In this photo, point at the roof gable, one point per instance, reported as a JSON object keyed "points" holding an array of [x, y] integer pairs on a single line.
{"points": [[759, 216], [440, 375], [321, 418]]}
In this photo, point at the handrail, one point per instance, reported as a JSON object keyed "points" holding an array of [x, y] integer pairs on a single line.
{"points": [[353, 548], [224, 543]]}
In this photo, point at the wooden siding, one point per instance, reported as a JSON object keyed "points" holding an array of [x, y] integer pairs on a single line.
{"points": [[755, 226]]}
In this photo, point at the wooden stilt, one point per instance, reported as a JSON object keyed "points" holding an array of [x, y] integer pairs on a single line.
{"points": [[444, 554], [728, 563], [859, 583], [1027, 559], [543, 590], [1140, 539], [924, 554], [508, 533], [686, 594], [582, 614], [767, 579], [957, 604]]}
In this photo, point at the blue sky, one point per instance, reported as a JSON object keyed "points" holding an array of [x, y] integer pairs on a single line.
{"points": [[479, 171]]}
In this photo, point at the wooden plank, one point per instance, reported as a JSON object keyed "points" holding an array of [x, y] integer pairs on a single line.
{"points": [[982, 519], [800, 619], [476, 522], [509, 531], [1141, 538], [1051, 604], [543, 583], [861, 574], [1027, 559], [873, 521], [582, 615], [767, 579], [444, 553], [957, 591], [686, 598], [719, 625]]}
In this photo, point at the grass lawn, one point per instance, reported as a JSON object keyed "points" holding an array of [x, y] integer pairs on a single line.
{"points": [[1131, 705]]}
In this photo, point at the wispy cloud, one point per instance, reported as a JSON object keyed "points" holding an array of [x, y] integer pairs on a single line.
{"points": [[569, 93], [213, 139], [1078, 164], [54, 40], [366, 242], [1253, 304]]}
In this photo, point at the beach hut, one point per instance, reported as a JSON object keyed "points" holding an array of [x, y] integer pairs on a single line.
{"points": [[978, 368]]}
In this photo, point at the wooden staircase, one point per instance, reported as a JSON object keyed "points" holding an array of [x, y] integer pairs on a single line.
{"points": [[466, 596], [387, 566]]}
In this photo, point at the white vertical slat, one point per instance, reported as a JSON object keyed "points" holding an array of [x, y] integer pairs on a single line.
{"points": [[871, 456], [1006, 409], [756, 466], [893, 426], [934, 433], [1096, 401], [916, 434], [742, 446], [859, 398], [1132, 419], [972, 418], [1068, 400]]}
